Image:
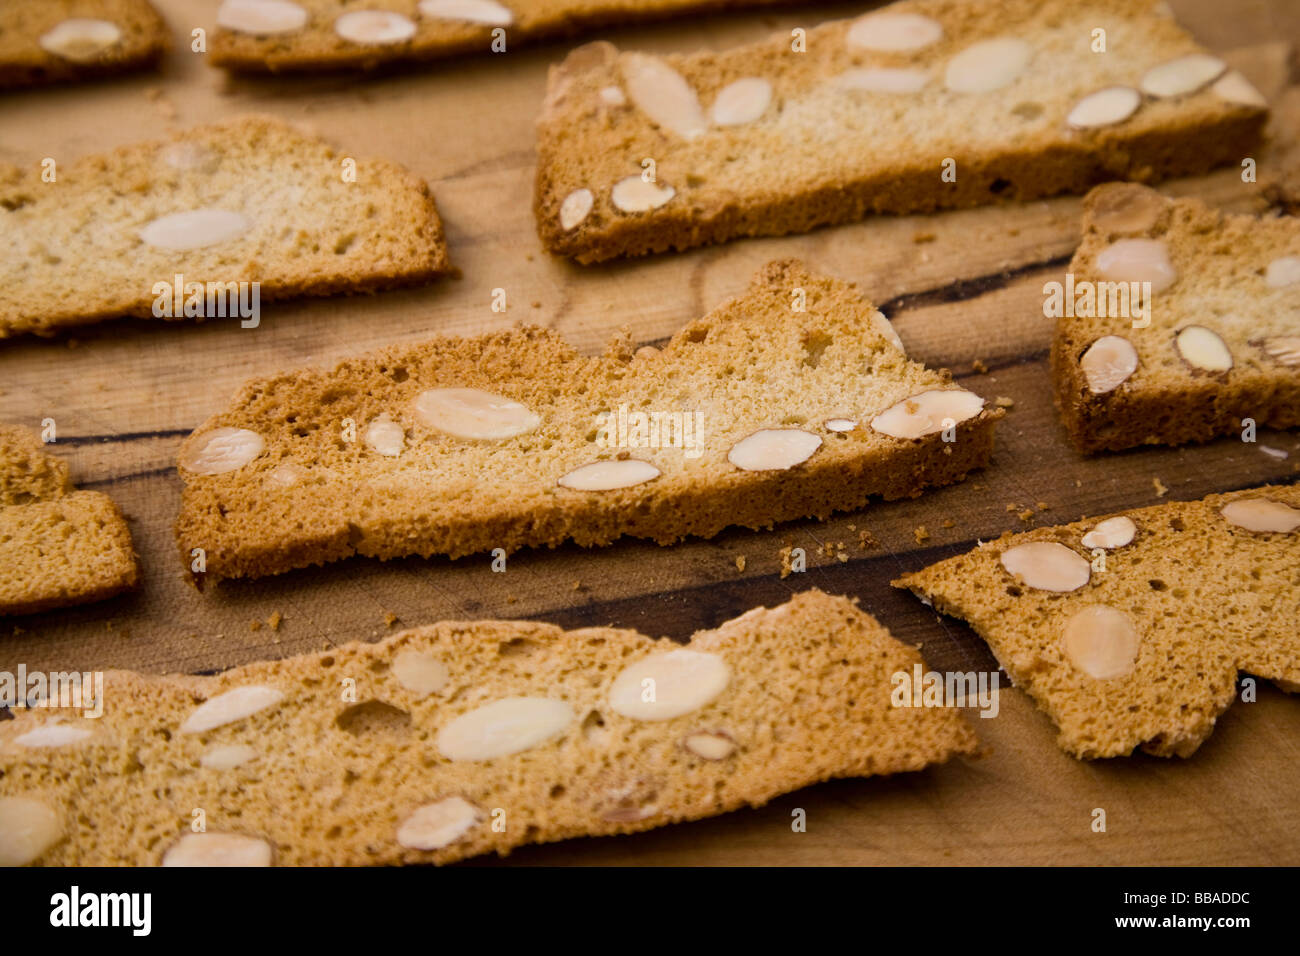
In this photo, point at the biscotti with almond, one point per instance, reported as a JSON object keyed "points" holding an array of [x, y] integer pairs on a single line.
{"points": [[280, 36], [1130, 631], [208, 223], [923, 105], [790, 401], [53, 41], [1214, 342], [58, 546], [463, 738]]}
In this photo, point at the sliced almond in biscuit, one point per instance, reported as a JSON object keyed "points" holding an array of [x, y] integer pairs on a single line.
{"points": [[841, 424], [1283, 348], [285, 475], [261, 17], [1187, 74], [613, 96], [385, 436], [1101, 641], [231, 706], [886, 328], [1203, 349], [893, 32], [28, 828], [988, 65], [1047, 566], [194, 229], [227, 756], [1235, 88], [1108, 363], [609, 475], [669, 684], [374, 27], [1138, 260], [189, 157], [774, 449], [575, 208], [927, 413], [1104, 108], [218, 849], [742, 101], [1283, 271], [1262, 515], [473, 413], [221, 450], [883, 79], [80, 39], [634, 194], [436, 825], [488, 12], [507, 726], [1125, 208], [53, 735], [710, 745], [420, 673], [663, 95], [1112, 533]]}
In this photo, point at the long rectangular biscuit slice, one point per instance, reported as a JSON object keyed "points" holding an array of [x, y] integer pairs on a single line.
{"points": [[56, 41], [924, 105], [792, 400], [1130, 631], [464, 738], [1217, 342], [58, 546], [182, 228], [254, 36]]}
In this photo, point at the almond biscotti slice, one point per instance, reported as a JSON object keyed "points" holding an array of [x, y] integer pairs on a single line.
{"points": [[458, 739], [926, 104], [1130, 631], [58, 546], [208, 223], [1214, 338], [53, 41], [258, 36], [793, 400]]}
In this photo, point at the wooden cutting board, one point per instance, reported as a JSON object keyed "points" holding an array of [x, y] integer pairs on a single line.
{"points": [[964, 291]]}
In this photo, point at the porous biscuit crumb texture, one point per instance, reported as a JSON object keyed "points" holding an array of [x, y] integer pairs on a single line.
{"points": [[58, 546], [513, 439], [55, 41], [465, 738], [766, 139], [1220, 342], [249, 200], [1129, 631]]}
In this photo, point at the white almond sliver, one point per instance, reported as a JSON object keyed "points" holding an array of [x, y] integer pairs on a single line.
{"points": [[774, 449], [883, 80], [190, 156], [227, 756], [710, 746], [988, 65], [893, 32], [886, 328], [742, 101], [840, 424], [28, 828], [1108, 363], [1114, 532], [1047, 566], [1105, 107], [488, 12], [1232, 87], [575, 208], [472, 413], [53, 735], [507, 726], [80, 39], [609, 475], [261, 17], [634, 194], [1202, 348], [668, 684], [1261, 515], [1284, 349], [1138, 260], [221, 450], [663, 94], [436, 825], [1283, 271], [385, 436], [1101, 641], [1187, 74], [194, 229], [420, 673], [231, 706], [374, 27], [613, 96], [926, 413], [218, 849]]}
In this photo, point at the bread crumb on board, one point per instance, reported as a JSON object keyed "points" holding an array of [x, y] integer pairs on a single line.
{"points": [[1161, 489]]}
